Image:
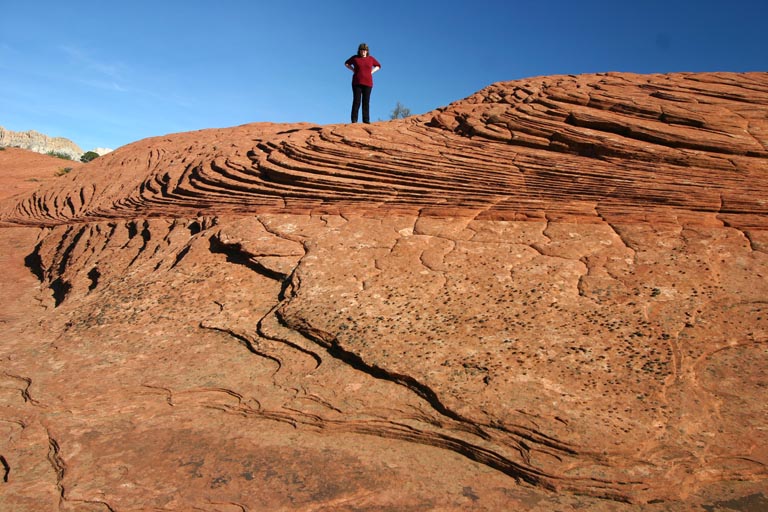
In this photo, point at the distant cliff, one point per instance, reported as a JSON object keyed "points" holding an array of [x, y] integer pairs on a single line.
{"points": [[41, 143]]}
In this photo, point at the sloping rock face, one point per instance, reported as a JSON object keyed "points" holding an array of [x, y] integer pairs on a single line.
{"points": [[23, 171], [549, 295]]}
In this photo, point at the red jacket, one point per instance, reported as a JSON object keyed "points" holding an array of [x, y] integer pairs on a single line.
{"points": [[363, 67]]}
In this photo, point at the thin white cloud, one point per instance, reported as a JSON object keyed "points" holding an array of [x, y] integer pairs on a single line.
{"points": [[104, 85], [120, 78], [108, 72]]}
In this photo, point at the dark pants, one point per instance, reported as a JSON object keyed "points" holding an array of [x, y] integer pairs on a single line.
{"points": [[361, 92]]}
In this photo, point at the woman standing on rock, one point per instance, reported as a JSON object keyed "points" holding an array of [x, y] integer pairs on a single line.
{"points": [[363, 66]]}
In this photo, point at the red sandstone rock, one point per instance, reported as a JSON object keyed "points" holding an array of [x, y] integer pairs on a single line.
{"points": [[549, 295], [23, 171]]}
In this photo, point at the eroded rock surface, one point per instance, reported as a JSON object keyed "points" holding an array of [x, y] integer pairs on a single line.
{"points": [[549, 295]]}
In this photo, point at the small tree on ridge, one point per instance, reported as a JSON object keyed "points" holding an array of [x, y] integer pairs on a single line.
{"points": [[400, 111]]}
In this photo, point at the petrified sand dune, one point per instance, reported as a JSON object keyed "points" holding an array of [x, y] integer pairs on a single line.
{"points": [[513, 148], [549, 293]]}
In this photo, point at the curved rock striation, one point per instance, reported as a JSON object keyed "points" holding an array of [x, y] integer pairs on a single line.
{"points": [[573, 144], [546, 295]]}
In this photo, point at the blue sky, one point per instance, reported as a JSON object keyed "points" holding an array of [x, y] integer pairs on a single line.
{"points": [[107, 73]]}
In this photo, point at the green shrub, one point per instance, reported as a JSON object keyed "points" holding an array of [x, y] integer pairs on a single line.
{"points": [[59, 154], [88, 156], [64, 170]]}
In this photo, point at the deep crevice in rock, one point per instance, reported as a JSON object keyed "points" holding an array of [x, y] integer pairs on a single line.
{"points": [[94, 276], [6, 469], [235, 254], [34, 262], [61, 289]]}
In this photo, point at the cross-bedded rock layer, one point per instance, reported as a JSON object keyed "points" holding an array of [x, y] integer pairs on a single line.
{"points": [[588, 145], [556, 284]]}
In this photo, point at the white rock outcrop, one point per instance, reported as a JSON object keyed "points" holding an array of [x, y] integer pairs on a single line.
{"points": [[41, 143]]}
